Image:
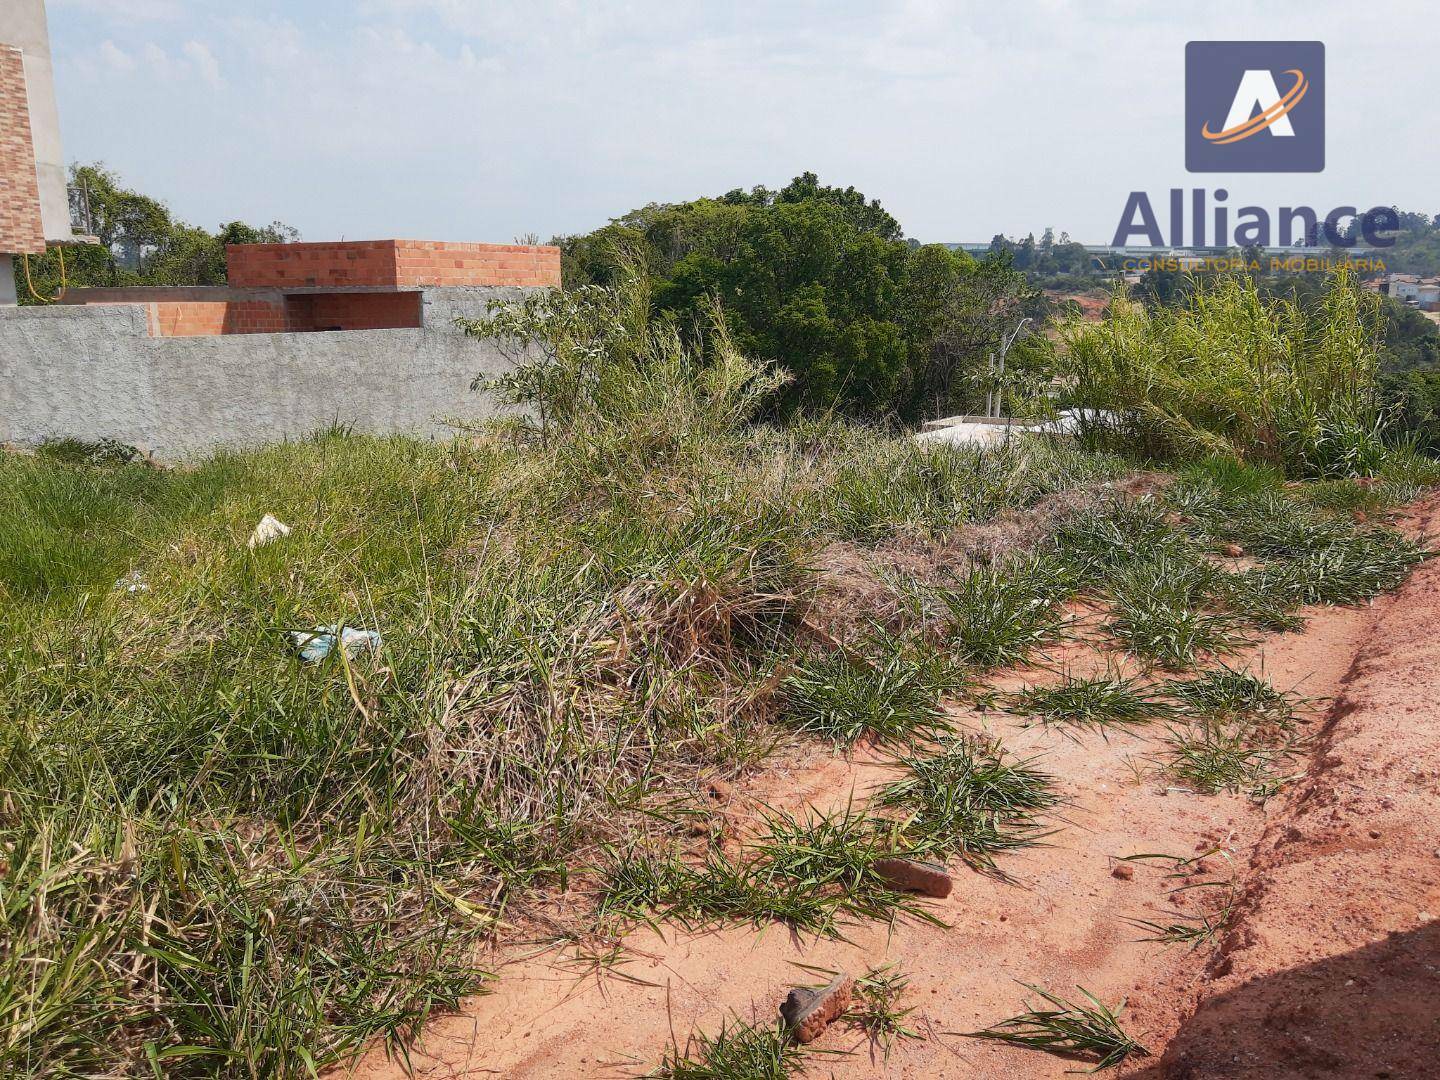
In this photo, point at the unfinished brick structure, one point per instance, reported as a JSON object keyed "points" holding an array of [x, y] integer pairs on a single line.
{"points": [[306, 288], [181, 371], [392, 263]]}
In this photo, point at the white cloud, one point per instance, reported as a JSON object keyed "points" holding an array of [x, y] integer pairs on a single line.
{"points": [[204, 63], [115, 58], [123, 9], [469, 120]]}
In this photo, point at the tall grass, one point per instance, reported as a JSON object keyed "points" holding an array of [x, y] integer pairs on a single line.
{"points": [[1233, 372]]}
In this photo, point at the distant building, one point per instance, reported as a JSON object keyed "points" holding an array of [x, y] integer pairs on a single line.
{"points": [[1420, 292]]}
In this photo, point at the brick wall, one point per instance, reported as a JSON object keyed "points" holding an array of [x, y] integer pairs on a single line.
{"points": [[295, 314], [20, 228], [422, 263], [391, 263], [353, 311], [208, 319], [255, 317], [366, 262]]}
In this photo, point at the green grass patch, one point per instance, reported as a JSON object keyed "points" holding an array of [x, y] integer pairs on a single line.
{"points": [[1158, 611], [1230, 754], [739, 1051], [995, 616], [1089, 1028], [1097, 703], [967, 798], [884, 688], [1223, 689], [877, 1010], [811, 873]]}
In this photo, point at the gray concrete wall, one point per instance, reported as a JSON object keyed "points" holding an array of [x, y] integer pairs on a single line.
{"points": [[93, 372]]}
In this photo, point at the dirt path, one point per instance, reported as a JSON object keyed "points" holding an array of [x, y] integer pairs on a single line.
{"points": [[1059, 922]]}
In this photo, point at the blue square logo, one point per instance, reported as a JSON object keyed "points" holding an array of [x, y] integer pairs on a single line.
{"points": [[1255, 106]]}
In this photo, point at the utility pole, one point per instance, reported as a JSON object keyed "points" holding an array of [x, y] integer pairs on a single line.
{"points": [[994, 398]]}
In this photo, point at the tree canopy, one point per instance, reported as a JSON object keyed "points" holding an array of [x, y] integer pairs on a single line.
{"points": [[141, 242], [821, 280]]}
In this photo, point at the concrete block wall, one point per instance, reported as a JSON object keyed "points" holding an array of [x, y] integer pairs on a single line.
{"points": [[94, 371]]}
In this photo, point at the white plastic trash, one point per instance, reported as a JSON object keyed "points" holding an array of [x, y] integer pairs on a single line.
{"points": [[315, 645], [132, 582], [270, 528]]}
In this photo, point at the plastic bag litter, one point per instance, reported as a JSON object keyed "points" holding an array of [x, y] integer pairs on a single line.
{"points": [[132, 582], [270, 528], [315, 645]]}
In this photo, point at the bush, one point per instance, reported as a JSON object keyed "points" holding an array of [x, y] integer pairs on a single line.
{"points": [[1232, 372]]}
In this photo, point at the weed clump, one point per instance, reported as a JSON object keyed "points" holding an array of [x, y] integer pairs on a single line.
{"points": [[968, 798], [1090, 1028], [894, 697], [739, 1051], [1110, 700], [1158, 611], [995, 616]]}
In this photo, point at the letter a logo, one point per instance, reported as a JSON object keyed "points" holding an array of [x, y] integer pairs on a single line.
{"points": [[1255, 106], [1258, 91]]}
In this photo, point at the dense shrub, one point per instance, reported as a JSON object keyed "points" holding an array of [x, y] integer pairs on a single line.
{"points": [[1232, 371]]}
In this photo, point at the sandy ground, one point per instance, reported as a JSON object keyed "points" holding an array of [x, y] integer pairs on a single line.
{"points": [[1335, 882]]}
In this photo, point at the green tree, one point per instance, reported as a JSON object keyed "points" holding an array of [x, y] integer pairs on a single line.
{"points": [[140, 242], [820, 280]]}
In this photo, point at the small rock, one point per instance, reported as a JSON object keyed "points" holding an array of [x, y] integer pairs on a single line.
{"points": [[1374, 834], [809, 1012], [1233, 551], [1123, 871], [1426, 917], [913, 876]]}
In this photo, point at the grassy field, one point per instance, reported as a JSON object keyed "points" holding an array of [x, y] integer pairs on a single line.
{"points": [[218, 860]]}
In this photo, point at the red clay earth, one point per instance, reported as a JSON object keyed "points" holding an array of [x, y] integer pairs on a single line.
{"points": [[1331, 967]]}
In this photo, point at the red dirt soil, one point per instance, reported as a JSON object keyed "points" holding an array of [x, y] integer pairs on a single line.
{"points": [[1330, 968]]}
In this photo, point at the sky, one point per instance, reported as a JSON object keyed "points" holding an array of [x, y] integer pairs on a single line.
{"points": [[486, 121]]}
